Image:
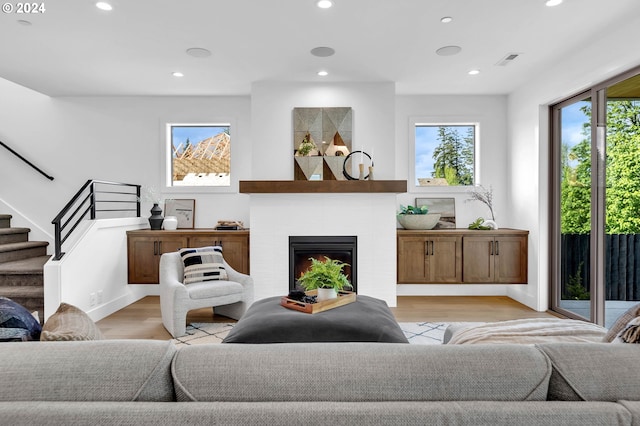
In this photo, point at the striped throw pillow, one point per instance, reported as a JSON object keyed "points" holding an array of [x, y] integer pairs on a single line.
{"points": [[203, 264]]}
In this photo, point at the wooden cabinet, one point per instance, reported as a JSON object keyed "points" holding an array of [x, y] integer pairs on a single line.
{"points": [[498, 259], [235, 248], [433, 258], [144, 248], [462, 256]]}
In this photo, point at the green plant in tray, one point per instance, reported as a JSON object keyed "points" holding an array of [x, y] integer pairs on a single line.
{"points": [[324, 274]]}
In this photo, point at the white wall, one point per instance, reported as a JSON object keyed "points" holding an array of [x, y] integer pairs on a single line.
{"points": [[118, 139], [95, 264], [272, 106], [600, 58]]}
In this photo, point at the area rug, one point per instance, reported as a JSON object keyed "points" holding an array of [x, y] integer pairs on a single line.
{"points": [[418, 333]]}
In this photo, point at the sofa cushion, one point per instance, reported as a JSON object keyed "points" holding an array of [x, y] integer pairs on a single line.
{"points": [[17, 323], [622, 322], [593, 371], [314, 413], [203, 264], [70, 323], [630, 334], [106, 370], [359, 372]]}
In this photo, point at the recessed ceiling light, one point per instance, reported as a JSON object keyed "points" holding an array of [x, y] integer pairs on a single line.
{"points": [[198, 52], [322, 51], [24, 22], [446, 19], [324, 4], [323, 73], [474, 72], [448, 50], [551, 3], [177, 74], [103, 5]]}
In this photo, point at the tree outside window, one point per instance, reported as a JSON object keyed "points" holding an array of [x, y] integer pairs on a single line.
{"points": [[445, 154]]}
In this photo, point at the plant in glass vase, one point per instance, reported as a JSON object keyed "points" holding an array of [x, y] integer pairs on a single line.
{"points": [[484, 195]]}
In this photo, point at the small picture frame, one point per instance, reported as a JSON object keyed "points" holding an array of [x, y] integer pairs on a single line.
{"points": [[184, 210], [445, 206]]}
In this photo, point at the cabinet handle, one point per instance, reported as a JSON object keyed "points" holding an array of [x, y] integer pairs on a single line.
{"points": [[155, 248], [426, 248], [490, 248], [432, 248], [159, 248], [497, 248]]}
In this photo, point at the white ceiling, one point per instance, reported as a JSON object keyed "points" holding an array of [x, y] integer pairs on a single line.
{"points": [[75, 49]]}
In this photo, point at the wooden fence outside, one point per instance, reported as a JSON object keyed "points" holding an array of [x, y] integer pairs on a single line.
{"points": [[622, 264]]}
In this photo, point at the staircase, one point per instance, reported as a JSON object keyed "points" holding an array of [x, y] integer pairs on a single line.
{"points": [[21, 266]]}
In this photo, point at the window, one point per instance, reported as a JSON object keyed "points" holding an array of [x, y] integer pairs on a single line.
{"points": [[445, 154], [199, 155]]}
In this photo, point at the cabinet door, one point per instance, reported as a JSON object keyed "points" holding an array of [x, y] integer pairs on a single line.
{"points": [[235, 249], [143, 260], [412, 260], [511, 259], [144, 256], [479, 265], [444, 255]]}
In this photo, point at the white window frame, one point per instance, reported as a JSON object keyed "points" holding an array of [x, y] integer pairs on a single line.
{"points": [[442, 121], [167, 160]]}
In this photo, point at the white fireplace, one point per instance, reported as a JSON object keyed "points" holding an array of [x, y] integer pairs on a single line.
{"points": [[368, 215]]}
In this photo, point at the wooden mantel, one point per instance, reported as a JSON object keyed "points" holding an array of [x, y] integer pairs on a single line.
{"points": [[319, 186]]}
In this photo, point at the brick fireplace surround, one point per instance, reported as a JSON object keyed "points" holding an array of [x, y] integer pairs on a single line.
{"points": [[366, 209]]}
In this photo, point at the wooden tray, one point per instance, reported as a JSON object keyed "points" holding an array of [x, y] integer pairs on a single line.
{"points": [[344, 298]]}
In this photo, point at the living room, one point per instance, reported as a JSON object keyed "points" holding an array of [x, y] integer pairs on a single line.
{"points": [[106, 132]]}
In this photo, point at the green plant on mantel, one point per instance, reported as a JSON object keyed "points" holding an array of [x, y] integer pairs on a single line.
{"points": [[324, 274]]}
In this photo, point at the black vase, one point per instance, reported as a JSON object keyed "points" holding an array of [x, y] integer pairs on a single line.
{"points": [[156, 219]]}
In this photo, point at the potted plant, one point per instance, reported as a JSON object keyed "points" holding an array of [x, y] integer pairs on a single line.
{"points": [[411, 217], [306, 146], [326, 276]]}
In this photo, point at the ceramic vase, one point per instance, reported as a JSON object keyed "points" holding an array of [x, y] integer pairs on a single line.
{"points": [[170, 223], [327, 294], [156, 219]]}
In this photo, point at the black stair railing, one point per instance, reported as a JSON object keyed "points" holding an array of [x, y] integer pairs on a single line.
{"points": [[38, 169], [95, 198]]}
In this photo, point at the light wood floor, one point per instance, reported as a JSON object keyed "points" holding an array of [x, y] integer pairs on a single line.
{"points": [[142, 320]]}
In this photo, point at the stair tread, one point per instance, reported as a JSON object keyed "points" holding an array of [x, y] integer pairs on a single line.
{"points": [[8, 231], [32, 291], [22, 246], [31, 265]]}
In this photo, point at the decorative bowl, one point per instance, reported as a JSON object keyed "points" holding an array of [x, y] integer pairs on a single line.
{"points": [[418, 221]]}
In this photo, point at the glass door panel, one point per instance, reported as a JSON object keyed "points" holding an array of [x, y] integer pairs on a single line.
{"points": [[574, 127], [622, 199]]}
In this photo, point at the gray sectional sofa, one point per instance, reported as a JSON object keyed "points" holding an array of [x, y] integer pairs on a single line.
{"points": [[138, 382]]}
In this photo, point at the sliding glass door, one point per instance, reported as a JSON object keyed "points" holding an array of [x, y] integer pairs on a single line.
{"points": [[595, 250]]}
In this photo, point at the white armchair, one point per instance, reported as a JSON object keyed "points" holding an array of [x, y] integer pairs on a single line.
{"points": [[229, 297]]}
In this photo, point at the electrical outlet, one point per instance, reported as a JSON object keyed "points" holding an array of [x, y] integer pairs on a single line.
{"points": [[92, 299], [99, 297]]}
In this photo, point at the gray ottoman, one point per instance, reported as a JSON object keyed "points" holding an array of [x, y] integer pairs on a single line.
{"points": [[365, 320]]}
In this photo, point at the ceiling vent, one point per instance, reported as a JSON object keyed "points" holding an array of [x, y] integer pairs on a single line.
{"points": [[507, 59]]}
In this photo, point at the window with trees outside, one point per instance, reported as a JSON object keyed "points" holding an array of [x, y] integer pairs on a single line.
{"points": [[200, 155], [595, 249], [445, 154]]}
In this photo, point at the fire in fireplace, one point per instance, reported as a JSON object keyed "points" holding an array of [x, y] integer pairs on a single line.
{"points": [[343, 248]]}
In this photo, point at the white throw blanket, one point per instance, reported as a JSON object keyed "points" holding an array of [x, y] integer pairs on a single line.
{"points": [[530, 331]]}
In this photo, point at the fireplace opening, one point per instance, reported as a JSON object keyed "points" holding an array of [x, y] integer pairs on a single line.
{"points": [[342, 248]]}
